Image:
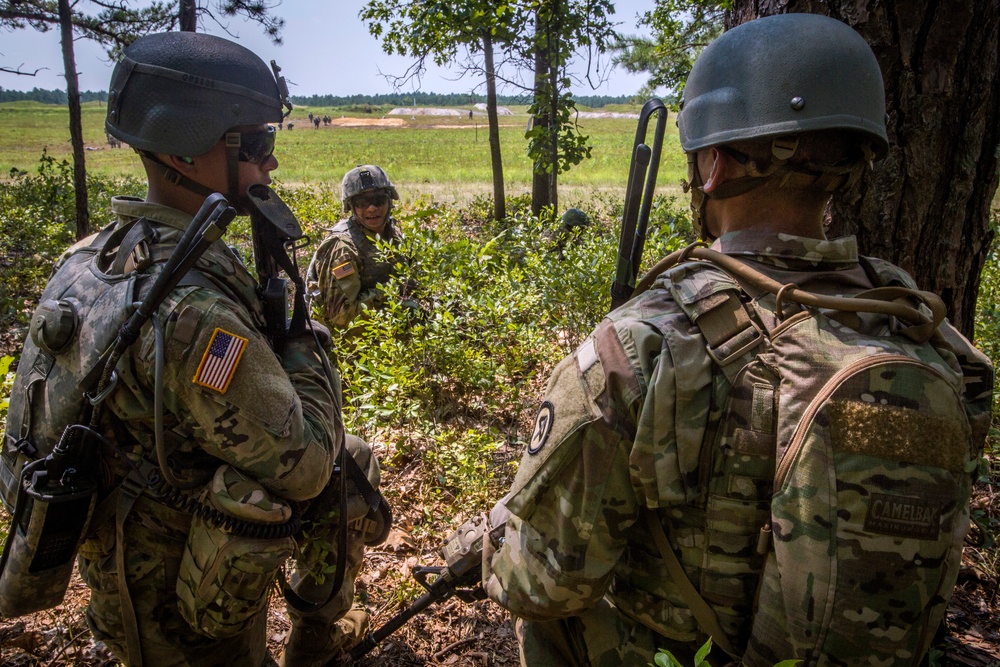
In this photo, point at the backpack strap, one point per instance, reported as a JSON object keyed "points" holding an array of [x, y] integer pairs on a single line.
{"points": [[713, 300], [702, 613], [127, 493]]}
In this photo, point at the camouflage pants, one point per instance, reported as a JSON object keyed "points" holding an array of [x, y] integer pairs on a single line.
{"points": [[599, 637], [154, 545]]}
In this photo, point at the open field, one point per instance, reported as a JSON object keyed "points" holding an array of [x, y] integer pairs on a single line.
{"points": [[446, 157]]}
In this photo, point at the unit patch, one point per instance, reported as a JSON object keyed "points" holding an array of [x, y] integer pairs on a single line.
{"points": [[904, 516], [343, 270], [218, 364], [543, 426]]}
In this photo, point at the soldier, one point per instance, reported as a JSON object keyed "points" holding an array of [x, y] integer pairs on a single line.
{"points": [[348, 269], [777, 114], [573, 222], [243, 430]]}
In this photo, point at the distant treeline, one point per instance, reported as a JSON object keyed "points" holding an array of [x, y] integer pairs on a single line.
{"points": [[49, 96], [394, 99], [438, 100]]}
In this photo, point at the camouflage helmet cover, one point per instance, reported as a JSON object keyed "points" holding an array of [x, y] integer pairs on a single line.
{"points": [[179, 92], [574, 217], [363, 178], [781, 75]]}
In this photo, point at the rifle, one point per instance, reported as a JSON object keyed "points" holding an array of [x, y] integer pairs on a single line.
{"points": [[460, 577], [645, 165], [275, 231]]}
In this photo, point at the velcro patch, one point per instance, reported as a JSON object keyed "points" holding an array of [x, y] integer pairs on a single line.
{"points": [[218, 364], [344, 270]]}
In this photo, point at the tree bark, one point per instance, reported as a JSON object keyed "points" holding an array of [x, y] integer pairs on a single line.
{"points": [[926, 206], [540, 189], [499, 198], [187, 15], [75, 122]]}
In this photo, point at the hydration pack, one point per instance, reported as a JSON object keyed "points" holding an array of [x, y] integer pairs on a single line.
{"points": [[839, 474], [76, 320]]}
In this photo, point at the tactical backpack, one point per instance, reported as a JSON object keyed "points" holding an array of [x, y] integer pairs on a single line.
{"points": [[89, 314], [839, 475]]}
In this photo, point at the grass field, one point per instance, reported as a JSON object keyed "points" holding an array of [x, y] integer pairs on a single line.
{"points": [[446, 157]]}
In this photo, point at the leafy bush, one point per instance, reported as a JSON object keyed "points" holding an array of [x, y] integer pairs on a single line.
{"points": [[499, 303], [37, 223]]}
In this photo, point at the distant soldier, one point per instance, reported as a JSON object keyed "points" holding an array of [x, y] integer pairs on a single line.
{"points": [[573, 222], [310, 116], [346, 274], [470, 114]]}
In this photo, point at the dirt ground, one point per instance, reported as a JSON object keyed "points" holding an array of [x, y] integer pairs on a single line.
{"points": [[457, 633]]}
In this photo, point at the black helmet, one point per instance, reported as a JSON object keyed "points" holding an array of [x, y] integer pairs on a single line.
{"points": [[781, 75], [179, 92]]}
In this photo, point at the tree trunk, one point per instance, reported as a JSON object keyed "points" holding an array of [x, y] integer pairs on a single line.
{"points": [[187, 15], [499, 198], [540, 189], [926, 206], [554, 125], [75, 123]]}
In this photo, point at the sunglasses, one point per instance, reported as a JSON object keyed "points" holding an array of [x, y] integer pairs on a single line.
{"points": [[364, 201], [256, 147]]}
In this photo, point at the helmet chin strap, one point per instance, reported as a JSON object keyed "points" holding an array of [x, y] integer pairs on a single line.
{"points": [[824, 178], [233, 168], [171, 175], [699, 198]]}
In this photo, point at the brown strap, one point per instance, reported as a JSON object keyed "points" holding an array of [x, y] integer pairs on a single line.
{"points": [[732, 336], [128, 493], [874, 301], [702, 613]]}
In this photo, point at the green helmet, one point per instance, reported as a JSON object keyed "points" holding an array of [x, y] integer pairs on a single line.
{"points": [[574, 217], [179, 92], [363, 178], [782, 75]]}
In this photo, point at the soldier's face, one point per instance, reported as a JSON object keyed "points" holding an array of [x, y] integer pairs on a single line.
{"points": [[371, 209]]}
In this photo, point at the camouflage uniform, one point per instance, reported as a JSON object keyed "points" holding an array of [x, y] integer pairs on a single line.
{"points": [[346, 273], [277, 421], [622, 428]]}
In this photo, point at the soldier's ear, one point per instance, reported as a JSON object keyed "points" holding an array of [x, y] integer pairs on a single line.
{"points": [[721, 167]]}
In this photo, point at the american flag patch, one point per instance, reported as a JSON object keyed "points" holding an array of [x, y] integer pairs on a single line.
{"points": [[342, 271], [220, 360]]}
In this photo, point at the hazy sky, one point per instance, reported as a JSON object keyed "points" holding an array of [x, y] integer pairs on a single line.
{"points": [[326, 50]]}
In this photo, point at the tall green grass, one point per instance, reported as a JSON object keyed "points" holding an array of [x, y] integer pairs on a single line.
{"points": [[437, 155]]}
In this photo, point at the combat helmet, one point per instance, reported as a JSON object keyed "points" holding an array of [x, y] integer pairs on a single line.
{"points": [[574, 217], [178, 93], [363, 178], [777, 78], [782, 75]]}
